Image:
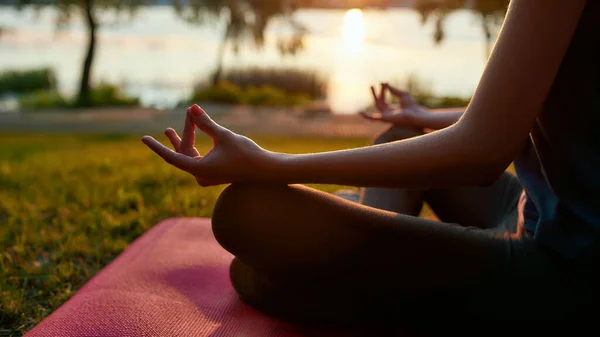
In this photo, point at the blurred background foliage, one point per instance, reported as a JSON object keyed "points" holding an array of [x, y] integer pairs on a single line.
{"points": [[245, 23]]}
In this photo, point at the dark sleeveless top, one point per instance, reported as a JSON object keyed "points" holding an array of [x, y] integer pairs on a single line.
{"points": [[561, 172]]}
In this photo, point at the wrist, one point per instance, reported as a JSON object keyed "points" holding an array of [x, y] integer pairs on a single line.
{"points": [[273, 168], [419, 117]]}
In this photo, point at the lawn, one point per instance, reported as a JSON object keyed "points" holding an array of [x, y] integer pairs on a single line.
{"points": [[69, 204]]}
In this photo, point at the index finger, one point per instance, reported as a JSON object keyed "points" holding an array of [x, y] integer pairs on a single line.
{"points": [[189, 134], [396, 91], [178, 160]]}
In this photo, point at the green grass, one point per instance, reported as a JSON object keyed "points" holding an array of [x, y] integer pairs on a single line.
{"points": [[70, 204]]}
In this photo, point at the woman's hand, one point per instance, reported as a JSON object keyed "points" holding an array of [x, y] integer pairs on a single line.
{"points": [[233, 158], [406, 113], [379, 100]]}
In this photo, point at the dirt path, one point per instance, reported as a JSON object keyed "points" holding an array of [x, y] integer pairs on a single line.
{"points": [[143, 120]]}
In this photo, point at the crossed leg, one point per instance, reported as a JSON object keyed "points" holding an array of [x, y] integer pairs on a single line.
{"points": [[305, 255]]}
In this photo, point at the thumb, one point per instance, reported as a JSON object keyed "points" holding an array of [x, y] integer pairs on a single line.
{"points": [[205, 123], [372, 116]]}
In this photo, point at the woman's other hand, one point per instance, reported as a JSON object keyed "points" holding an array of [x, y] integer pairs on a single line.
{"points": [[404, 114]]}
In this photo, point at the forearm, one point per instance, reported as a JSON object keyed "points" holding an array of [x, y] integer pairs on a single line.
{"points": [[438, 119], [440, 159]]}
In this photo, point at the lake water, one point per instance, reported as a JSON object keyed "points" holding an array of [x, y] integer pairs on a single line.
{"points": [[159, 57]]}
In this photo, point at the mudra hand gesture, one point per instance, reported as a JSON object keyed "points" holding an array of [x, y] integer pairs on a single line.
{"points": [[233, 158], [404, 113]]}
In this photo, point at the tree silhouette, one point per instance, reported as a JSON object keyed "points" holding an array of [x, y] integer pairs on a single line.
{"points": [[88, 9], [490, 12], [245, 20]]}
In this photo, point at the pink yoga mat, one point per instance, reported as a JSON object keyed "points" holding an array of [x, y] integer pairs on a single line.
{"points": [[173, 281]]}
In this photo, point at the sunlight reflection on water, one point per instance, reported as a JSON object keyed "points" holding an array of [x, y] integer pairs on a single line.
{"points": [[353, 30], [159, 57]]}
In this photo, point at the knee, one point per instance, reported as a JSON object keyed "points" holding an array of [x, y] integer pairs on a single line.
{"points": [[394, 133], [238, 211], [230, 209]]}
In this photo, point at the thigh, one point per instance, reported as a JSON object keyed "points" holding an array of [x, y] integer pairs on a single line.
{"points": [[493, 206], [296, 227], [299, 249]]}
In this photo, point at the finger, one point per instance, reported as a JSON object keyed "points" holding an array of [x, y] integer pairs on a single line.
{"points": [[174, 138], [395, 91], [178, 160], [373, 117], [382, 92], [189, 134], [375, 98], [205, 123]]}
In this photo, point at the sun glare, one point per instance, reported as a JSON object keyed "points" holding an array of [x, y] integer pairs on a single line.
{"points": [[353, 31]]}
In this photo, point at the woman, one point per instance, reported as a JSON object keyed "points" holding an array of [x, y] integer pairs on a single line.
{"points": [[308, 256]]}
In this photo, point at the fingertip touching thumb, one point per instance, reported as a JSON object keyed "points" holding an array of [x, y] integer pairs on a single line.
{"points": [[196, 110], [199, 115], [203, 121]]}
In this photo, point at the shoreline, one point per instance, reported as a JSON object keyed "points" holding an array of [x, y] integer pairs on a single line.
{"points": [[240, 119]]}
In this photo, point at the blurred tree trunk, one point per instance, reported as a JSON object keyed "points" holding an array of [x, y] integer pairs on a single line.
{"points": [[83, 98], [485, 25], [221, 56]]}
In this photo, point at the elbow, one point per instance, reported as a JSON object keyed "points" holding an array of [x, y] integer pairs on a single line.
{"points": [[477, 171], [489, 169], [484, 158], [488, 151], [488, 178]]}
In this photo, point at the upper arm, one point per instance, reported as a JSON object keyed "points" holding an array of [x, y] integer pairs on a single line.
{"points": [[518, 77]]}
